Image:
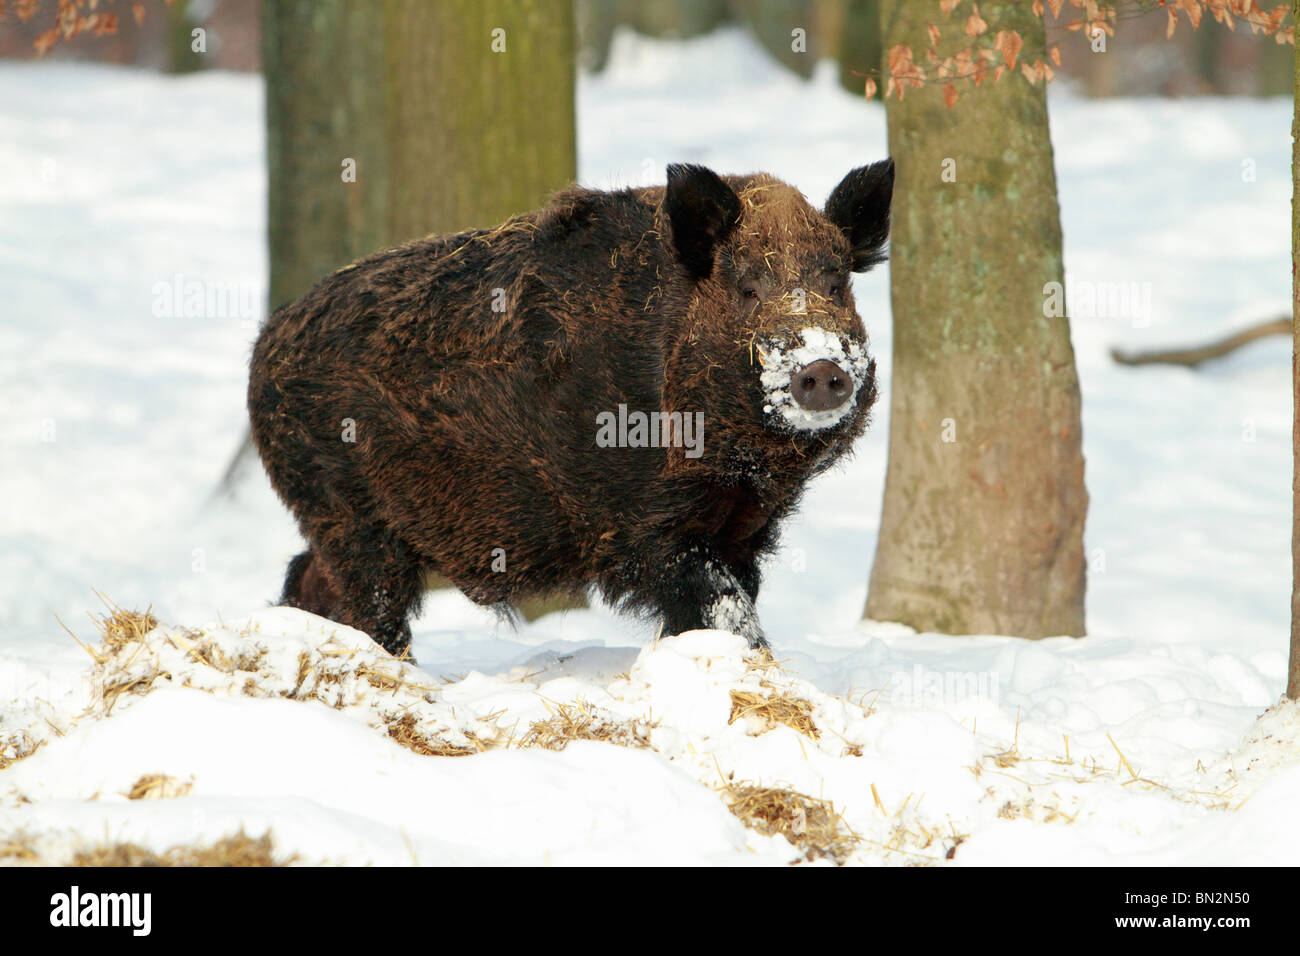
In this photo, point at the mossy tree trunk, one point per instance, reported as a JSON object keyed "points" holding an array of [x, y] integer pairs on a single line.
{"points": [[982, 526], [323, 63], [181, 55], [1293, 672], [680, 19], [860, 49], [480, 110], [387, 122]]}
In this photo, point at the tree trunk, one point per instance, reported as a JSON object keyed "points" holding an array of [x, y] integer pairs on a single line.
{"points": [[982, 526], [181, 57], [445, 132], [387, 122], [477, 134], [860, 50], [322, 60], [1293, 672]]}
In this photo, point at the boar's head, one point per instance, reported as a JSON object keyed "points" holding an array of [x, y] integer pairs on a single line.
{"points": [[772, 349]]}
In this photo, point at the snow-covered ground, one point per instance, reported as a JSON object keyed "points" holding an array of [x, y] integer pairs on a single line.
{"points": [[1141, 743]]}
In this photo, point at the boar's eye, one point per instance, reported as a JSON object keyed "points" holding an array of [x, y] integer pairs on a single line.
{"points": [[837, 291], [750, 290]]}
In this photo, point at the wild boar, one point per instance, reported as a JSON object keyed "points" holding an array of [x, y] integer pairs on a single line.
{"points": [[627, 390]]}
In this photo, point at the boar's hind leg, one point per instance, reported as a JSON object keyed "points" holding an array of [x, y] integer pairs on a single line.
{"points": [[378, 580], [308, 585], [700, 591]]}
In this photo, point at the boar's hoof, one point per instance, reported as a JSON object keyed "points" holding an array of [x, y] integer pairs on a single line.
{"points": [[821, 386]]}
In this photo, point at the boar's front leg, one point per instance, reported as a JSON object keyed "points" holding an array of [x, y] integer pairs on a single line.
{"points": [[699, 590]]}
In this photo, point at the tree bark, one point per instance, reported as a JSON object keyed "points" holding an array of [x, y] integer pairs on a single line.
{"points": [[323, 62], [445, 131], [477, 133], [1293, 671], [181, 57], [982, 525], [860, 50]]}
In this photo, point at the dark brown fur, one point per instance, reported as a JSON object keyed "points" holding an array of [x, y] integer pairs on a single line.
{"points": [[473, 367]]}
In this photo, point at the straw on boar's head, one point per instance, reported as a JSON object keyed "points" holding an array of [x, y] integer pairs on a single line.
{"points": [[772, 295]]}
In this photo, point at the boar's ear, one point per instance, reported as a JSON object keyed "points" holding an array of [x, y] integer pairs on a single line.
{"points": [[702, 210], [859, 205]]}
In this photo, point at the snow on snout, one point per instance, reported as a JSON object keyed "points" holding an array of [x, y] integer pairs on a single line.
{"points": [[779, 362]]}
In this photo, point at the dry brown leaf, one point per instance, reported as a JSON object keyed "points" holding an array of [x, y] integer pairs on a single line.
{"points": [[1009, 43], [45, 40], [903, 71]]}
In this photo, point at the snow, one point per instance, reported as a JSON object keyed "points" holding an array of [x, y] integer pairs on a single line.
{"points": [[1140, 744]]}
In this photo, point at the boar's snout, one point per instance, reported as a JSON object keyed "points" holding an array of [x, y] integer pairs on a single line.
{"points": [[821, 386], [812, 378]]}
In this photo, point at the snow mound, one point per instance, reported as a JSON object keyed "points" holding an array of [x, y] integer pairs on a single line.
{"points": [[701, 752]]}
